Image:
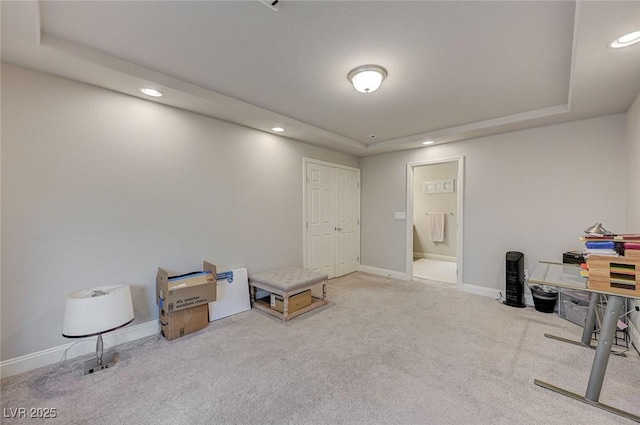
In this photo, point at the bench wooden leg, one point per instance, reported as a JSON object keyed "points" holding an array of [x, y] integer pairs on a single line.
{"points": [[252, 292], [285, 307]]}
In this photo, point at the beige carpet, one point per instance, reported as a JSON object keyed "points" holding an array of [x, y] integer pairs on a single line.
{"points": [[440, 271], [382, 352]]}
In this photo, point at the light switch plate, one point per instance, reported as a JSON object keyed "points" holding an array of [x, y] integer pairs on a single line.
{"points": [[400, 215]]}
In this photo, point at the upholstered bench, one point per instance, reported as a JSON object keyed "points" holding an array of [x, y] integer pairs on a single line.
{"points": [[287, 282]]}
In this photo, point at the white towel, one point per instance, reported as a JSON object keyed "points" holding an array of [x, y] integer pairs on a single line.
{"points": [[436, 226]]}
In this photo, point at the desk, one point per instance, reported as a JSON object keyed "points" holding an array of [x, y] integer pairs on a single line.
{"points": [[568, 276]]}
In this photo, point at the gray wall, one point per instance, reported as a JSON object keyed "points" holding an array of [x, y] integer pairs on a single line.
{"points": [[633, 185], [532, 191], [633, 167], [434, 202], [102, 188]]}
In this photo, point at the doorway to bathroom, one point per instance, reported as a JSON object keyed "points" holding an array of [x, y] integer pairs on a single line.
{"points": [[434, 220]]}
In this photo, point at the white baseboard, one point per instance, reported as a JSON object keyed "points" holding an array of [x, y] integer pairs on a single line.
{"points": [[492, 293], [383, 272], [79, 348], [435, 257], [481, 290], [466, 287]]}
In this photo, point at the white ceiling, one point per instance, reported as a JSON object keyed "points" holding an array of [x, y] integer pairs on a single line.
{"points": [[457, 70]]}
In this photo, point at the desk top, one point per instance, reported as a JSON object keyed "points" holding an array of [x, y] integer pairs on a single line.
{"points": [[564, 276]]}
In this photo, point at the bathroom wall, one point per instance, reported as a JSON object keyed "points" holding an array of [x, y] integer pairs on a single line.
{"points": [[425, 203]]}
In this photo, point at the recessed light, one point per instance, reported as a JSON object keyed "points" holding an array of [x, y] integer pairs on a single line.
{"points": [[625, 40], [428, 142], [150, 92], [278, 129]]}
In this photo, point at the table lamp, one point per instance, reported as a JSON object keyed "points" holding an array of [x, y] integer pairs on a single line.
{"points": [[94, 311]]}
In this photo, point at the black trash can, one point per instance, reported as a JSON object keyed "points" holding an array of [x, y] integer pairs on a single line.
{"points": [[544, 298]]}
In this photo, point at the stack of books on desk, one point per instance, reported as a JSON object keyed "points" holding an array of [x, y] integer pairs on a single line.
{"points": [[618, 272], [612, 246], [600, 247]]}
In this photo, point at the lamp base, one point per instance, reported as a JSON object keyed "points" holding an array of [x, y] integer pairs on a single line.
{"points": [[108, 360]]}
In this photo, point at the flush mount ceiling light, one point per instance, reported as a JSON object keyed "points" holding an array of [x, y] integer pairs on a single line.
{"points": [[278, 129], [150, 92], [367, 78], [428, 142], [625, 40]]}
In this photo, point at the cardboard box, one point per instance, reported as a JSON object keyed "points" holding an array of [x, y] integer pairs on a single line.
{"points": [[296, 302], [175, 293], [183, 322]]}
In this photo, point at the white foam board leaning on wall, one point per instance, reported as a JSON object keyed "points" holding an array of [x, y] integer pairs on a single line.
{"points": [[233, 294]]}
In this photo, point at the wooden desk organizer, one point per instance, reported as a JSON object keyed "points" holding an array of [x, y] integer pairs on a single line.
{"points": [[620, 275]]}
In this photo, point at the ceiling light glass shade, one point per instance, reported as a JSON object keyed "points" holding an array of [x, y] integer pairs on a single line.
{"points": [[151, 92], [367, 78], [626, 40], [97, 310], [597, 229]]}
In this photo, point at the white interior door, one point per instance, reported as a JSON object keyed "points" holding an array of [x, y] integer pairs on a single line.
{"points": [[321, 221], [347, 221], [332, 219]]}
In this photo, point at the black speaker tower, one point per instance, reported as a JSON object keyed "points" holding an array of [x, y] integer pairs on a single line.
{"points": [[515, 279]]}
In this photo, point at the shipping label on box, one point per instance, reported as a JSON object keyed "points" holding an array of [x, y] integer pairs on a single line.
{"points": [[183, 322], [175, 293]]}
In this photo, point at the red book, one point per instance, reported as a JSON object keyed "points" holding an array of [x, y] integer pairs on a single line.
{"points": [[628, 236]]}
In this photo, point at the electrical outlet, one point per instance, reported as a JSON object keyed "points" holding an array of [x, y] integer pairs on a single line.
{"points": [[526, 274]]}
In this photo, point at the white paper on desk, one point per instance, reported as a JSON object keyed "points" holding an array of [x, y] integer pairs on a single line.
{"points": [[231, 297]]}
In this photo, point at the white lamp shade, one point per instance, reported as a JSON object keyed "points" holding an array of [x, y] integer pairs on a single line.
{"points": [[97, 310], [367, 78]]}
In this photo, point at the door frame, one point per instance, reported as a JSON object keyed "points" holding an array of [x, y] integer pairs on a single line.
{"points": [[305, 161], [459, 219]]}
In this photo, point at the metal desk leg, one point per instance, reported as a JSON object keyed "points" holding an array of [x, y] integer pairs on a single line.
{"points": [[589, 325], [600, 361], [599, 367]]}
